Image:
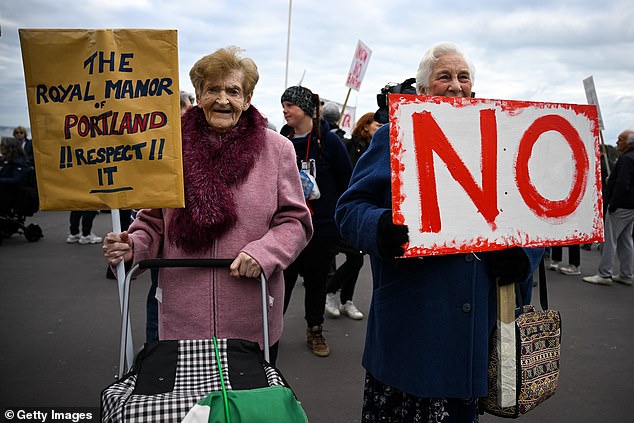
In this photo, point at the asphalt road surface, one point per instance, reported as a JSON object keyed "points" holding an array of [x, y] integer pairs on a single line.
{"points": [[60, 323]]}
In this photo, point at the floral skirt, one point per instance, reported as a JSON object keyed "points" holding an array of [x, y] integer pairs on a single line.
{"points": [[385, 404]]}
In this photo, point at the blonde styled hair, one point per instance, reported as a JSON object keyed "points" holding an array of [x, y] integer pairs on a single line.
{"points": [[220, 63]]}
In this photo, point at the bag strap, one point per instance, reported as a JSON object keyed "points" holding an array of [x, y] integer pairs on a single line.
{"points": [[308, 145], [222, 381], [543, 289]]}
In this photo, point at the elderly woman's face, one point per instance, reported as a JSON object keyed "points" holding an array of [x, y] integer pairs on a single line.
{"points": [[450, 77], [223, 100]]}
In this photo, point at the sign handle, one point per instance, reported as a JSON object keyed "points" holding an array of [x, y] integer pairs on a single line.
{"points": [[506, 380], [345, 103], [605, 154], [116, 227]]}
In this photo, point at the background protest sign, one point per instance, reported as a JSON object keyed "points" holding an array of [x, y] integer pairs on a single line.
{"points": [[358, 66], [475, 175], [105, 117], [347, 120], [591, 96]]}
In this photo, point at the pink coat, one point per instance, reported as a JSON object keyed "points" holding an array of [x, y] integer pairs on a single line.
{"points": [[273, 226]]}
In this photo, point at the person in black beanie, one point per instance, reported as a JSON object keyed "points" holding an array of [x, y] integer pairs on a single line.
{"points": [[426, 347], [321, 154]]}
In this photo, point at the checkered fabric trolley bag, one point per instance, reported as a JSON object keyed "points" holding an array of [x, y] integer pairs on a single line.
{"points": [[208, 380]]}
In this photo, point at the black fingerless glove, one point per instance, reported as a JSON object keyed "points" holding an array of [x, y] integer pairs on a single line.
{"points": [[509, 265], [391, 237]]}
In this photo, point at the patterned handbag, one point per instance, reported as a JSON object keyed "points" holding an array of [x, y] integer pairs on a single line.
{"points": [[206, 380], [537, 350]]}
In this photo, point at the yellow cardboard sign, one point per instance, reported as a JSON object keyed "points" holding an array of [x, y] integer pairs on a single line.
{"points": [[105, 117]]}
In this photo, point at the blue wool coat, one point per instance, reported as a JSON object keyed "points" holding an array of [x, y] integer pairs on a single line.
{"points": [[430, 318]]}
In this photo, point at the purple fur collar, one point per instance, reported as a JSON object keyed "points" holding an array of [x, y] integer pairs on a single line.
{"points": [[213, 164]]}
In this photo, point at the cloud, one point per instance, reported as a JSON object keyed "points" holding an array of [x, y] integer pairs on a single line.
{"points": [[538, 50]]}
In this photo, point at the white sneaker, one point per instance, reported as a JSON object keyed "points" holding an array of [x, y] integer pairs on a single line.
{"points": [[331, 305], [72, 239], [554, 265], [620, 279], [350, 310], [597, 280], [571, 270], [90, 239]]}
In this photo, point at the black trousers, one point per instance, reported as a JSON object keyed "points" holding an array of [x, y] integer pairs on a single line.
{"points": [[574, 254], [312, 264], [86, 218], [346, 275]]}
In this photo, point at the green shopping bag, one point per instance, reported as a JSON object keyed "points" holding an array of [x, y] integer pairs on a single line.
{"points": [[272, 404], [275, 404]]}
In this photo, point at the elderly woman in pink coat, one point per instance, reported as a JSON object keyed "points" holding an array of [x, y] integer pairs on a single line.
{"points": [[243, 200]]}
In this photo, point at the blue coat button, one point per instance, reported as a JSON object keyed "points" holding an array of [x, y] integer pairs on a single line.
{"points": [[466, 307]]}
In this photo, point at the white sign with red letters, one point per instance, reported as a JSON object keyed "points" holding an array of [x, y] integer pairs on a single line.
{"points": [[475, 175], [359, 66]]}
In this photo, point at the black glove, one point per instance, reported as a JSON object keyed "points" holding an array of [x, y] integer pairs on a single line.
{"points": [[509, 265], [391, 237]]}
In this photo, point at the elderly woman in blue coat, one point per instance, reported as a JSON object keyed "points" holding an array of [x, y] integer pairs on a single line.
{"points": [[426, 347]]}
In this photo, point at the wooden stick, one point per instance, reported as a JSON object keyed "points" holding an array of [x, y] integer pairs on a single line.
{"points": [[343, 109], [507, 374]]}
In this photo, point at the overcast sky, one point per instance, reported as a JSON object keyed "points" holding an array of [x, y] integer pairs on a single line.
{"points": [[522, 50]]}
